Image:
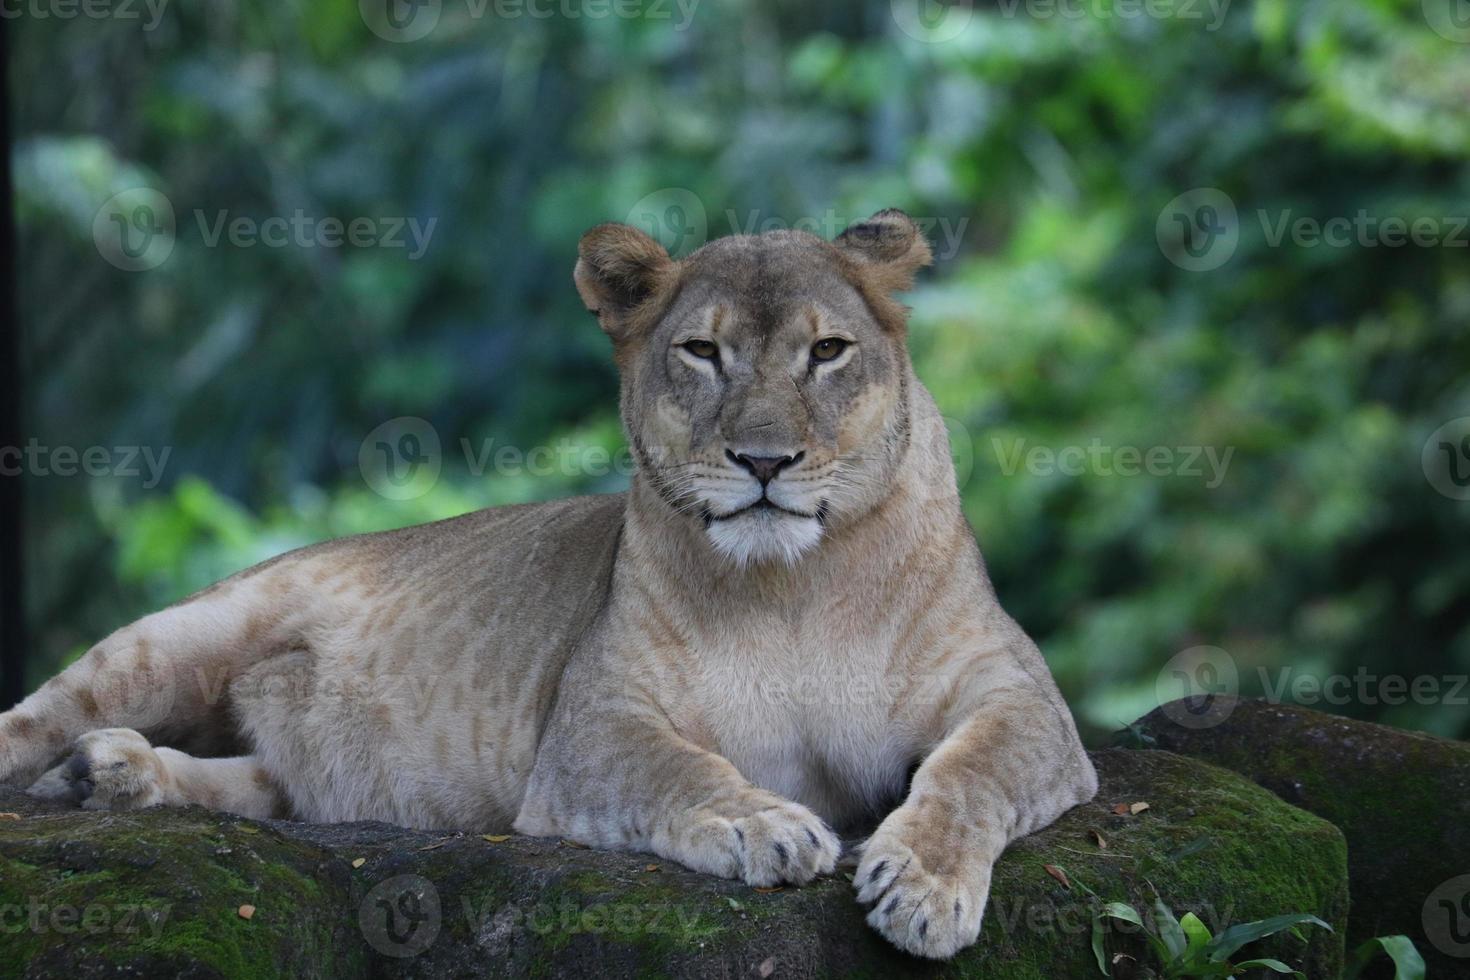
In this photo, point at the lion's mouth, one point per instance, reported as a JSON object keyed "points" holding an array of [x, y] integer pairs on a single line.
{"points": [[765, 505]]}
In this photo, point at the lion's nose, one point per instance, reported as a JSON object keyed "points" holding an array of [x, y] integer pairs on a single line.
{"points": [[763, 468]]}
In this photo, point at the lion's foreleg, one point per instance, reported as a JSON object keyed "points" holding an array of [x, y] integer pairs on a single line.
{"points": [[622, 777], [1008, 765]]}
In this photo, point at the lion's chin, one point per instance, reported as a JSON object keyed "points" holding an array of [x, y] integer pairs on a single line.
{"points": [[762, 535]]}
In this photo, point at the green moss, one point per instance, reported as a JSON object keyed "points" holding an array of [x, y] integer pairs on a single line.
{"points": [[1398, 797], [1210, 842], [192, 874]]}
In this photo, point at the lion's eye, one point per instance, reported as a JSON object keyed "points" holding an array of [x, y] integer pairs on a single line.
{"points": [[828, 348], [704, 349]]}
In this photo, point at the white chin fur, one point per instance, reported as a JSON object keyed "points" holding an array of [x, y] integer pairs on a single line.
{"points": [[764, 536]]}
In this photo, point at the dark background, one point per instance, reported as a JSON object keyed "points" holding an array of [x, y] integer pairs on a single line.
{"points": [[1077, 302]]}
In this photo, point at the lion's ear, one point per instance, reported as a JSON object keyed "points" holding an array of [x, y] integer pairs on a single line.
{"points": [[888, 247], [618, 267]]}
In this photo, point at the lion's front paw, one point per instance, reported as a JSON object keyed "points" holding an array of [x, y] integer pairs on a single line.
{"points": [[933, 912], [109, 769], [784, 842]]}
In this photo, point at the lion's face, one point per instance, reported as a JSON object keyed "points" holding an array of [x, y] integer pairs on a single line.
{"points": [[764, 377]]}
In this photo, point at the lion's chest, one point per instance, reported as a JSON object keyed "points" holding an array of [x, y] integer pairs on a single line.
{"points": [[813, 718]]}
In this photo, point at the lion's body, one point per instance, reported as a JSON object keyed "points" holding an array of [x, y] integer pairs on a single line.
{"points": [[785, 624], [413, 685]]}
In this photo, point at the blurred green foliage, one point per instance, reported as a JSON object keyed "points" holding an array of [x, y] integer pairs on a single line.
{"points": [[1042, 141]]}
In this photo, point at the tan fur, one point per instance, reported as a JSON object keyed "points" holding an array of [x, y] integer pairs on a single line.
{"points": [[677, 669]]}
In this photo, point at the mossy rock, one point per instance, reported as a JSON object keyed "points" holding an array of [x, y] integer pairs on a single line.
{"points": [[357, 899], [1402, 800]]}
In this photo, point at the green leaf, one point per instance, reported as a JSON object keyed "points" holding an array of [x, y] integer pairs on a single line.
{"points": [[1196, 933], [1274, 965], [1127, 913], [1408, 964], [1199, 968], [1169, 930], [1248, 932], [1119, 910], [1099, 948]]}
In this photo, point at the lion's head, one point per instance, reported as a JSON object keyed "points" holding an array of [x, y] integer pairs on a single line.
{"points": [[765, 378]]}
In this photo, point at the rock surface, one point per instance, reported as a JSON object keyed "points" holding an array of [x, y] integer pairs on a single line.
{"points": [[168, 892], [1402, 800]]}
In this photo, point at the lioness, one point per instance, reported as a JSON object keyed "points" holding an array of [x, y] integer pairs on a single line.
{"points": [[782, 628]]}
